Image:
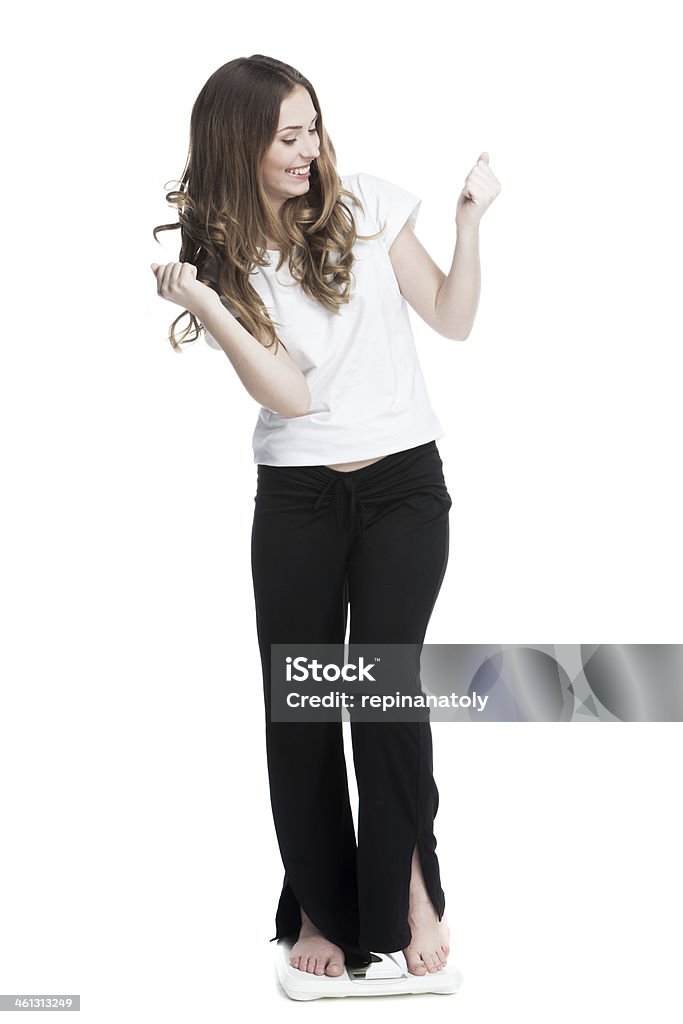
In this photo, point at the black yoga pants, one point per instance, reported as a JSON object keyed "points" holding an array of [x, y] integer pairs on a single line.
{"points": [[376, 540]]}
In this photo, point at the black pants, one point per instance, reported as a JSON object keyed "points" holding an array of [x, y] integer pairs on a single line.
{"points": [[376, 539]]}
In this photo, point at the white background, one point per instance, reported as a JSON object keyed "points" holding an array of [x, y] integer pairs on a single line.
{"points": [[139, 865]]}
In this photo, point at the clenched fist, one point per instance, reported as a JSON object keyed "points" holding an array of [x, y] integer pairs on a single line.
{"points": [[481, 188], [178, 283]]}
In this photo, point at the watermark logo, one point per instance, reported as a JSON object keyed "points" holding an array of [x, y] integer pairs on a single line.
{"points": [[476, 682], [302, 669]]}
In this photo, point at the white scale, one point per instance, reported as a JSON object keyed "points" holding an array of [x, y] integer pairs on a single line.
{"points": [[387, 976]]}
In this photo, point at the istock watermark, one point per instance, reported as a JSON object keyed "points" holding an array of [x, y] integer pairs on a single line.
{"points": [[300, 670], [477, 682]]}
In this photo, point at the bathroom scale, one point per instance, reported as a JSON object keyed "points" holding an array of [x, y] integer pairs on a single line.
{"points": [[387, 975]]}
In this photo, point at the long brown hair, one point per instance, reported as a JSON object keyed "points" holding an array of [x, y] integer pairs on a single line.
{"points": [[224, 213]]}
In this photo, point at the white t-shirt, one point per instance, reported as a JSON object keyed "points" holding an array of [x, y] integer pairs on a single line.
{"points": [[368, 394]]}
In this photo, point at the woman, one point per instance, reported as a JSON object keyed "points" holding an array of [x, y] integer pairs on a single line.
{"points": [[351, 508]]}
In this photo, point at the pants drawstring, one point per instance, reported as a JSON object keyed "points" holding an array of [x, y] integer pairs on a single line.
{"points": [[345, 490]]}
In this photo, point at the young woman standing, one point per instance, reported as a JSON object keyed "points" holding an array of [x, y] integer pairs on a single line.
{"points": [[351, 508]]}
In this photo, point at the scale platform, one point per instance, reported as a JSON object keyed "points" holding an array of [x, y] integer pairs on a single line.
{"points": [[388, 976]]}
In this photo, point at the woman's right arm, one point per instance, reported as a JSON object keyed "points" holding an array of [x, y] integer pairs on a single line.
{"points": [[274, 381]]}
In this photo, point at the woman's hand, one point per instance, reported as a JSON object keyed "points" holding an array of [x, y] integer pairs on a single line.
{"points": [[481, 188], [178, 283]]}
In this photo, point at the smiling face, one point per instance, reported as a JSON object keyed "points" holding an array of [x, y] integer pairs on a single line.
{"points": [[295, 145]]}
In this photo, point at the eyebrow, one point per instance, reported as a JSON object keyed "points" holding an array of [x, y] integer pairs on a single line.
{"points": [[294, 126]]}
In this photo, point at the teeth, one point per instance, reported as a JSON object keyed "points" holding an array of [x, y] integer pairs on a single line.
{"points": [[302, 170]]}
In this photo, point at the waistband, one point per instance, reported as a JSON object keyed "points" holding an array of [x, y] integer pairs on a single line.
{"points": [[395, 475]]}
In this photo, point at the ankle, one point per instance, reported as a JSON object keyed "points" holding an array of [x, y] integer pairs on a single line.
{"points": [[418, 897], [307, 931], [307, 926]]}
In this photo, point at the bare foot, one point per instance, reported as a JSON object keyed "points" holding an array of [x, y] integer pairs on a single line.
{"points": [[428, 950], [315, 954]]}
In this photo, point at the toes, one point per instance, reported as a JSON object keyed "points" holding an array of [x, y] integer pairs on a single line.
{"points": [[432, 962], [427, 963], [415, 964], [441, 959], [331, 964]]}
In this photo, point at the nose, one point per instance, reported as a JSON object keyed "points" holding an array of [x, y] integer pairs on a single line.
{"points": [[309, 154]]}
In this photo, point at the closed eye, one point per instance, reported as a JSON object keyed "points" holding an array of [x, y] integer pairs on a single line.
{"points": [[290, 142]]}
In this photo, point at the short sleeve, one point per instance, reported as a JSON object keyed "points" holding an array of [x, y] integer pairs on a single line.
{"points": [[387, 204], [209, 338]]}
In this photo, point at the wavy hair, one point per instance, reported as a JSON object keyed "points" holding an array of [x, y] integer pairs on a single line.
{"points": [[224, 212]]}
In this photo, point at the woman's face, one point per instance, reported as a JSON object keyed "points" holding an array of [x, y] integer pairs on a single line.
{"points": [[295, 145]]}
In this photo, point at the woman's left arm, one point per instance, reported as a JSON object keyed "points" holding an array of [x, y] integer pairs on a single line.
{"points": [[448, 303]]}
